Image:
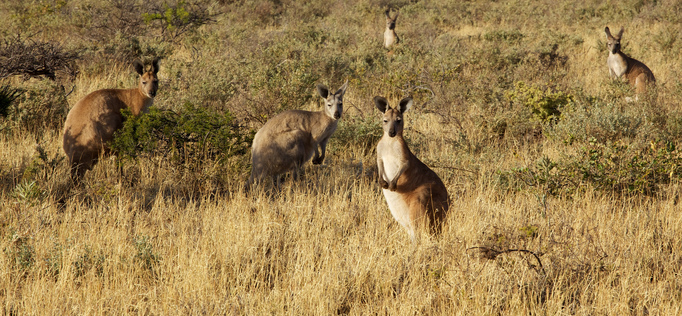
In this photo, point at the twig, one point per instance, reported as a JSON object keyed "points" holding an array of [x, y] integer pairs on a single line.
{"points": [[492, 254]]}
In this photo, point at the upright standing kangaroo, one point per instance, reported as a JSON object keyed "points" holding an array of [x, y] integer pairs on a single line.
{"points": [[390, 37], [414, 193], [91, 123], [621, 66], [291, 138]]}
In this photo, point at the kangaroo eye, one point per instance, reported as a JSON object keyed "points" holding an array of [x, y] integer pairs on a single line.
{"points": [[144, 82], [385, 121]]}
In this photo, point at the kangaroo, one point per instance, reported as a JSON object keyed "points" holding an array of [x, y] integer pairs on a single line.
{"points": [[91, 123], [414, 193], [390, 37], [291, 138], [629, 69]]}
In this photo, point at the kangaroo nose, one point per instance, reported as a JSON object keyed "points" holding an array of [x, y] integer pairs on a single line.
{"points": [[337, 115], [391, 133]]}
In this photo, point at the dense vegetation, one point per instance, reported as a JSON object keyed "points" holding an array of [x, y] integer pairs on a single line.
{"points": [[565, 196]]}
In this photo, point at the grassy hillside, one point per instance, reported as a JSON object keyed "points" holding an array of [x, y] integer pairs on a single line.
{"points": [[565, 196]]}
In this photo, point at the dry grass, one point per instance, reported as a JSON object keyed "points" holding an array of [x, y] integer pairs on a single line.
{"points": [[162, 238]]}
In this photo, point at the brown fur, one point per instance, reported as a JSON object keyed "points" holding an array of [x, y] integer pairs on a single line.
{"points": [[291, 138], [91, 123], [621, 66], [417, 185], [390, 37]]}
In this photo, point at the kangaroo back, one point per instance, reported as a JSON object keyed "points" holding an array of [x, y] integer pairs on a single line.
{"points": [[91, 123], [291, 138], [414, 193]]}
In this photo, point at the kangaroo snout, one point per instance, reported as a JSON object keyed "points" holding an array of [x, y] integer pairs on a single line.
{"points": [[391, 132], [337, 115]]}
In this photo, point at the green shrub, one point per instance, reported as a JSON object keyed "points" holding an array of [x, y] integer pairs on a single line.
{"points": [[192, 133], [87, 261], [613, 167], [39, 108], [503, 35], [545, 104], [145, 254], [7, 97], [359, 131], [20, 252]]}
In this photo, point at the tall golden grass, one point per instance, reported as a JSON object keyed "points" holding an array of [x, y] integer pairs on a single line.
{"points": [[159, 238]]}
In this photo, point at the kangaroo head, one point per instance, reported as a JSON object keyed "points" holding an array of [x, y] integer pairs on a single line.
{"points": [[390, 21], [333, 103], [613, 42], [393, 118], [149, 82]]}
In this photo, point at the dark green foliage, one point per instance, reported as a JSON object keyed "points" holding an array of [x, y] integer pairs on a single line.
{"points": [[363, 132], [145, 254], [191, 134], [7, 97], [54, 260], [614, 167], [88, 261], [545, 104], [501, 35], [20, 252], [176, 18], [39, 108]]}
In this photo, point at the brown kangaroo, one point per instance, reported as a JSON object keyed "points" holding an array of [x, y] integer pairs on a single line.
{"points": [[91, 123], [390, 37], [415, 194], [629, 69], [291, 138]]}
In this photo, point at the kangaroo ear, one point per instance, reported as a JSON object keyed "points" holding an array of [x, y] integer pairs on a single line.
{"points": [[397, 13], [139, 68], [608, 32], [323, 91], [381, 103], [405, 104], [387, 13], [155, 66], [620, 33], [342, 90]]}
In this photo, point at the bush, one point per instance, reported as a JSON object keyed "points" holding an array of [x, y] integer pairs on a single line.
{"points": [[36, 59], [614, 167], [363, 132], [191, 134], [7, 97], [545, 104], [41, 107]]}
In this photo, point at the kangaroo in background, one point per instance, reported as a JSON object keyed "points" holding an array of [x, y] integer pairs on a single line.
{"points": [[390, 37], [415, 194], [621, 66], [91, 123], [291, 138]]}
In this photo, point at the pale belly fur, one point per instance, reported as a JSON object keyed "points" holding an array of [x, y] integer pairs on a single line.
{"points": [[391, 167], [399, 210], [617, 65]]}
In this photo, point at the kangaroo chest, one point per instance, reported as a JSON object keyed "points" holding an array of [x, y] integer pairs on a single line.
{"points": [[617, 64], [393, 156], [389, 38]]}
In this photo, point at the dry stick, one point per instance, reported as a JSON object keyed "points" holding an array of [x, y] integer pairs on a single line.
{"points": [[497, 253]]}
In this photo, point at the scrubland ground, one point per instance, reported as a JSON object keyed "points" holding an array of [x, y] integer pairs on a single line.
{"points": [[565, 198]]}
